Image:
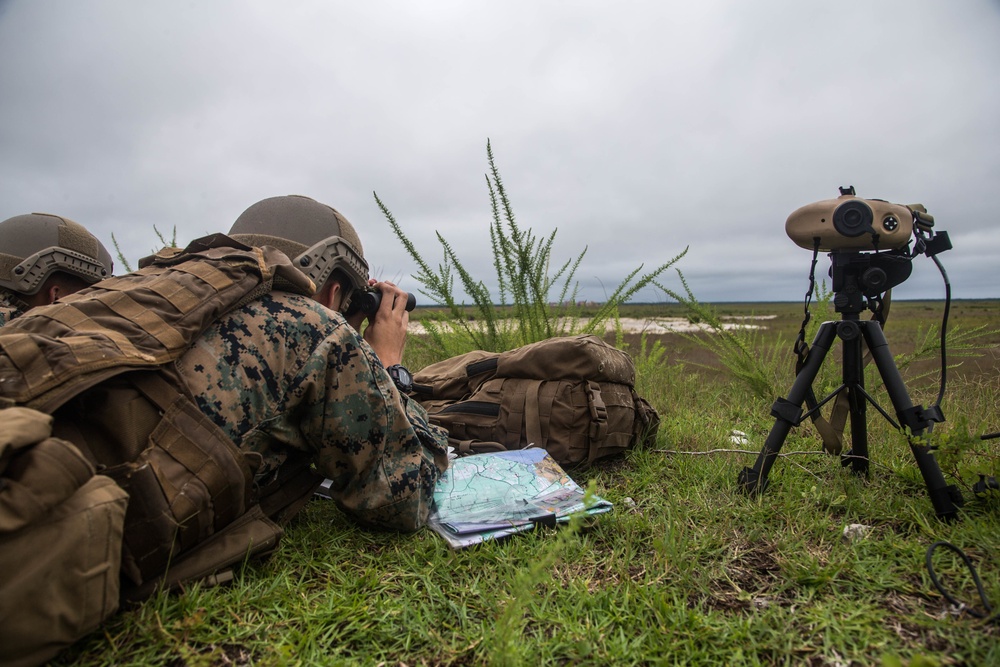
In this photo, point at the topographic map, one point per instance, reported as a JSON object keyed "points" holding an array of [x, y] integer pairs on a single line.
{"points": [[486, 496]]}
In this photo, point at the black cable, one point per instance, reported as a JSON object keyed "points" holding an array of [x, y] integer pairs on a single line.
{"points": [[975, 578], [878, 312], [800, 342], [944, 329]]}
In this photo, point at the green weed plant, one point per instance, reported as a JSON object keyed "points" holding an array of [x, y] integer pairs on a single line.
{"points": [[536, 298], [164, 243]]}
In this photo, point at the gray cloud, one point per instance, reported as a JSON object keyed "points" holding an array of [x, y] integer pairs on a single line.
{"points": [[636, 129]]}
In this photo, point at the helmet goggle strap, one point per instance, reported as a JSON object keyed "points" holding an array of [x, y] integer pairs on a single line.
{"points": [[28, 276], [319, 261]]}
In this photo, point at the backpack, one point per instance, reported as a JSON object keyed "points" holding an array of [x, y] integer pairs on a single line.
{"points": [[574, 396], [99, 362], [60, 540]]}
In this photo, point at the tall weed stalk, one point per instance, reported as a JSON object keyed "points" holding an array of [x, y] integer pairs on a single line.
{"points": [[523, 310], [740, 350], [164, 243]]}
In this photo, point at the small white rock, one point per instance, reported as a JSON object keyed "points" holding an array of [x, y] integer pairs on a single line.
{"points": [[856, 531]]}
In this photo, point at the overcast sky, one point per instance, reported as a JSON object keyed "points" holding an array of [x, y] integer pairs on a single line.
{"points": [[634, 128]]}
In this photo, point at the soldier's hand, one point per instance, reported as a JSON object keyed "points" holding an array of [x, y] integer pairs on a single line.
{"points": [[357, 320], [386, 331]]}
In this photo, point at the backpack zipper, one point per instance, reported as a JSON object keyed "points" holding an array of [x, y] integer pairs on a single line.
{"points": [[472, 407], [477, 367]]}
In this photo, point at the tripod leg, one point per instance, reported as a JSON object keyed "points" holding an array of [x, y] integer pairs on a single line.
{"points": [[788, 412], [854, 381], [946, 499]]}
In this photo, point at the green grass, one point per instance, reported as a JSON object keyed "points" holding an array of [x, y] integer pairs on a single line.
{"points": [[685, 570]]}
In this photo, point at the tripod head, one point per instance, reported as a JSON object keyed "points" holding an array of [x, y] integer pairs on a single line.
{"points": [[861, 276]]}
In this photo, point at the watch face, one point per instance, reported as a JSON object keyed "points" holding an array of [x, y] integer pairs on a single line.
{"points": [[401, 376]]}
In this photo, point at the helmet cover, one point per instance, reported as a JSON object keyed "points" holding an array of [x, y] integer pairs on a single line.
{"points": [[36, 245], [315, 236]]}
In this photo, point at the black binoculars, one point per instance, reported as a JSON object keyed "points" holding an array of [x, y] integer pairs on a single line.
{"points": [[368, 300]]}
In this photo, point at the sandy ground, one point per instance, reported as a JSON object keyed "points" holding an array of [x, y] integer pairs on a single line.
{"points": [[660, 325]]}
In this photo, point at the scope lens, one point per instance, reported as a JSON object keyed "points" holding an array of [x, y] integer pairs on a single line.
{"points": [[853, 218]]}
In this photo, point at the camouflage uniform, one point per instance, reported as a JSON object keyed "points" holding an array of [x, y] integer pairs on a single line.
{"points": [[10, 306], [285, 373]]}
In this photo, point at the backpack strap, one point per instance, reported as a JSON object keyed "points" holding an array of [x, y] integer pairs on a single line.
{"points": [[467, 447], [515, 396], [598, 418], [647, 421], [532, 420]]}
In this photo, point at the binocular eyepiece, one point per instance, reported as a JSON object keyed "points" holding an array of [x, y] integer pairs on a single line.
{"points": [[368, 300]]}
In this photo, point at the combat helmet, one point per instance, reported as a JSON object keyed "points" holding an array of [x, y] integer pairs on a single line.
{"points": [[317, 238], [36, 245]]}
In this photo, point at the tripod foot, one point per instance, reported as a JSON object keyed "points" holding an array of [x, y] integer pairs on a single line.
{"points": [[947, 502], [859, 464], [749, 481]]}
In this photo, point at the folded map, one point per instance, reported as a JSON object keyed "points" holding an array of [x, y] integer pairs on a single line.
{"points": [[486, 496]]}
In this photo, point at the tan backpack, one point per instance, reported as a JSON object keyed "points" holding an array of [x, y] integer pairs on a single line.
{"points": [[574, 396], [99, 362], [60, 541]]}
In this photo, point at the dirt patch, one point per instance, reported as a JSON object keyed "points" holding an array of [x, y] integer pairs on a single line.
{"points": [[656, 326], [229, 655], [754, 569], [749, 584]]}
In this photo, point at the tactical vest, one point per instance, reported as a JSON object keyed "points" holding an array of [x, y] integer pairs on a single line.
{"points": [[100, 361]]}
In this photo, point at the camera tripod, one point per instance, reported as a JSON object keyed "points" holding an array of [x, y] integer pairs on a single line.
{"points": [[857, 277]]}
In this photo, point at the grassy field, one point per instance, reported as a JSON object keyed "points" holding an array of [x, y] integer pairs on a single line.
{"points": [[685, 570]]}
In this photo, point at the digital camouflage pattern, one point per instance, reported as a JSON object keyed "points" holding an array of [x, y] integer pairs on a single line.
{"points": [[10, 306], [285, 373]]}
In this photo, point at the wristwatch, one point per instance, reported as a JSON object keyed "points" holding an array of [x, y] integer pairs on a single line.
{"points": [[402, 377]]}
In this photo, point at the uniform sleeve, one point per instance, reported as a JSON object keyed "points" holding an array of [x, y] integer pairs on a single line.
{"points": [[10, 307], [374, 443]]}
